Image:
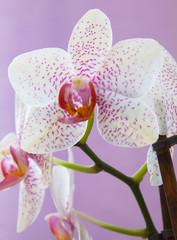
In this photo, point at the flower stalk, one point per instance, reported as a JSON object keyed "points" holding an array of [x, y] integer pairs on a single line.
{"points": [[132, 232], [144, 210], [134, 186], [104, 166], [139, 175], [88, 129], [76, 167]]}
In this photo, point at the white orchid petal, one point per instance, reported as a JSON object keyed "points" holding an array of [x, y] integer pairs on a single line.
{"points": [[20, 115], [125, 121], [164, 106], [82, 232], [60, 189], [9, 140], [153, 167], [43, 133], [168, 74], [38, 75], [45, 163], [90, 41], [162, 99], [31, 197], [131, 67]]}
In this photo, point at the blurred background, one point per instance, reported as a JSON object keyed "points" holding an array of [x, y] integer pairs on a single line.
{"points": [[34, 24]]}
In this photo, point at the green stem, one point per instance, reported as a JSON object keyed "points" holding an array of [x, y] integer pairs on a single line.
{"points": [[88, 130], [132, 232], [139, 175], [129, 181], [104, 166], [76, 167], [144, 210]]}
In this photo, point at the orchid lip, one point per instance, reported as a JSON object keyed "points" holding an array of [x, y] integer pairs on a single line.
{"points": [[20, 159], [14, 170], [74, 119], [86, 92], [57, 227]]}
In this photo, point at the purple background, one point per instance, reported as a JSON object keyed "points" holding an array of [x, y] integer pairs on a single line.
{"points": [[29, 25]]}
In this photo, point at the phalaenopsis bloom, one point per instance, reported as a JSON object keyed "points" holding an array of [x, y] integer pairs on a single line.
{"points": [[32, 171], [64, 224], [67, 86], [125, 81]]}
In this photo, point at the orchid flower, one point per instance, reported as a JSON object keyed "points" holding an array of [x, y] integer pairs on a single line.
{"points": [[162, 100], [64, 223], [64, 88], [31, 170]]}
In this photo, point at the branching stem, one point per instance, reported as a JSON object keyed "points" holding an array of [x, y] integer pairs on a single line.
{"points": [[133, 184]]}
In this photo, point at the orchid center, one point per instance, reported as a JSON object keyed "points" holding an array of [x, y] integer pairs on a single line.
{"points": [[78, 99], [5, 152], [78, 83]]}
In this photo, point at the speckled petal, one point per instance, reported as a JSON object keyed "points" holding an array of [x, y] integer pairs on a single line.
{"points": [[168, 74], [167, 79], [124, 121], [164, 107], [60, 190], [20, 114], [90, 41], [38, 75], [130, 67], [162, 99], [45, 163], [43, 133], [153, 167], [31, 197]]}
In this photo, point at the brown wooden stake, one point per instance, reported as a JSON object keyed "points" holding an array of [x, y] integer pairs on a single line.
{"points": [[169, 183], [164, 208], [165, 213]]}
